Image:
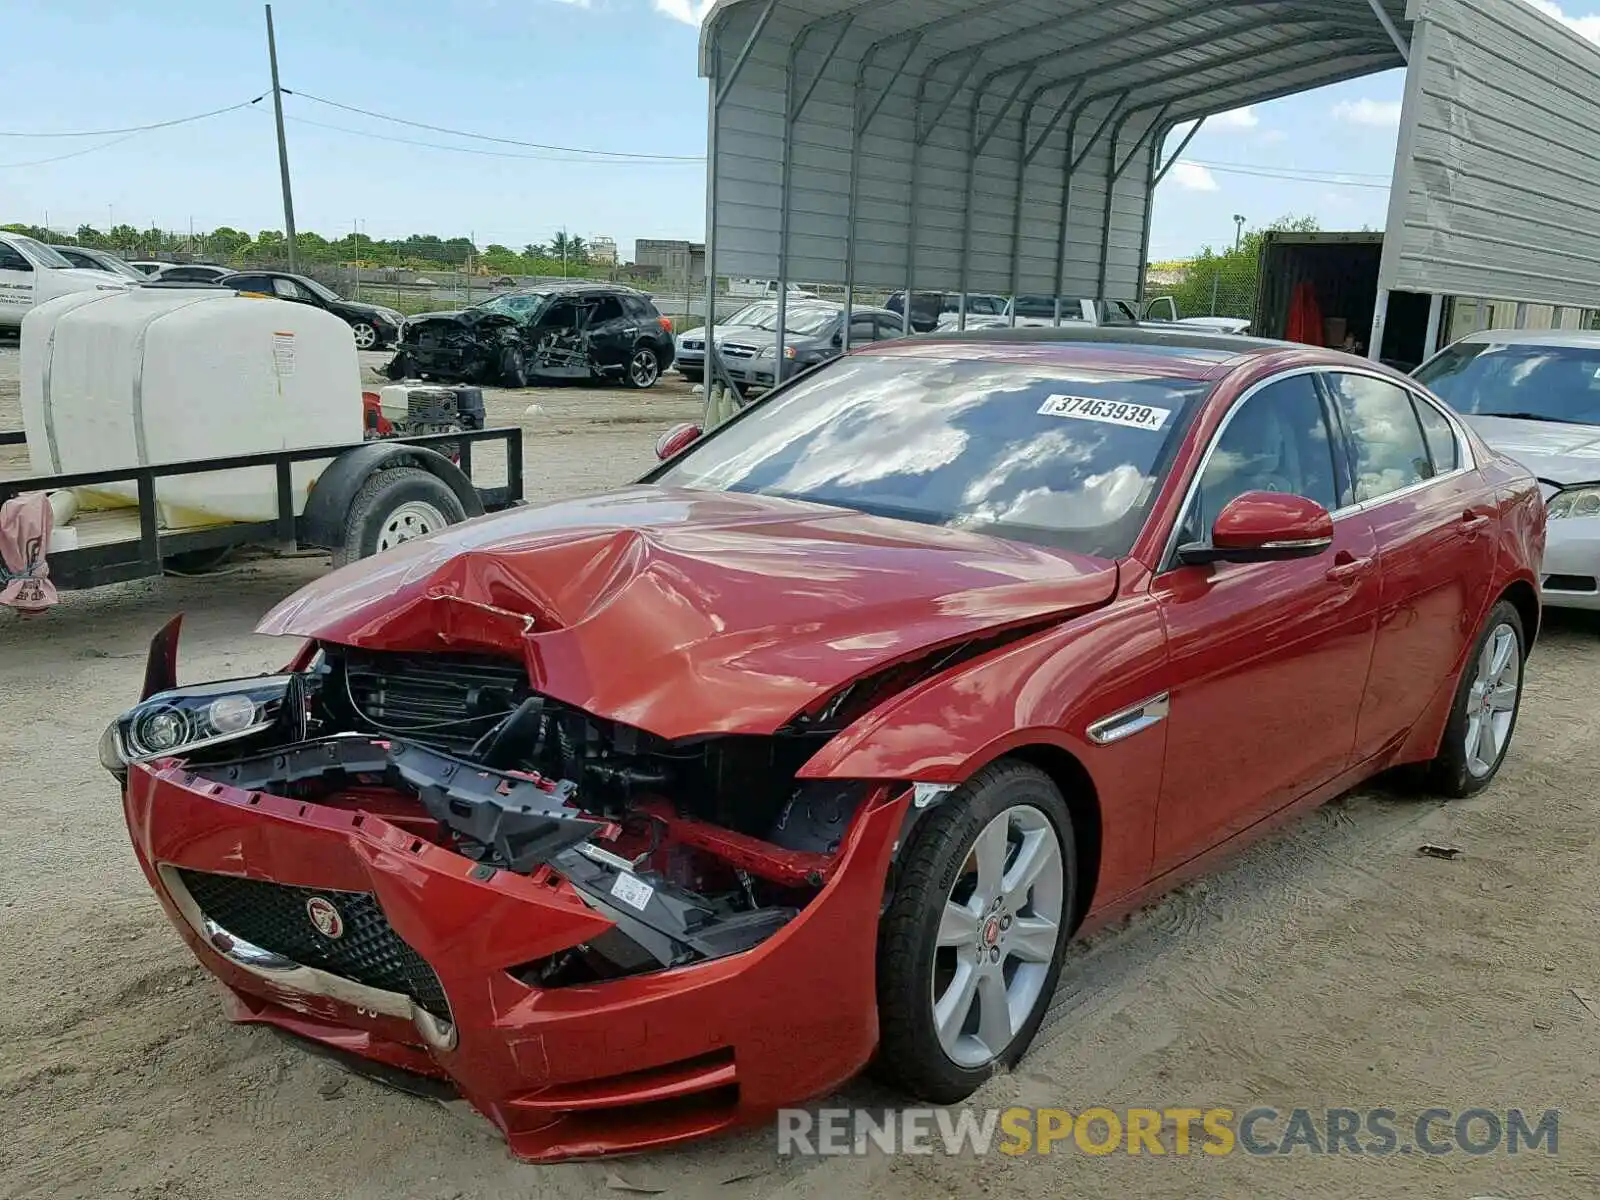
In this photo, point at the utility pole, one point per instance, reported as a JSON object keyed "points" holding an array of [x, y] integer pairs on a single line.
{"points": [[283, 146], [355, 234], [1238, 230]]}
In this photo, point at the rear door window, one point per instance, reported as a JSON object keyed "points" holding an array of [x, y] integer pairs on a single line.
{"points": [[1390, 452], [1440, 435], [606, 308]]}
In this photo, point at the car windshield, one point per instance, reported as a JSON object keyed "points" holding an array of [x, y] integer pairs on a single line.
{"points": [[41, 254], [1533, 382], [1068, 457], [110, 262], [522, 307], [753, 314], [799, 321], [319, 289]]}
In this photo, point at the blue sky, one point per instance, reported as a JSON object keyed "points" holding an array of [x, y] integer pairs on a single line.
{"points": [[607, 74]]}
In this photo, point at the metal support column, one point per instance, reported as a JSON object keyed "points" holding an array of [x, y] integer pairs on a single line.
{"points": [[863, 122], [975, 148], [1384, 19], [1430, 340], [719, 88], [792, 110]]}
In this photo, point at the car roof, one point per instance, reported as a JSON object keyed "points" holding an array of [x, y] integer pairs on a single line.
{"points": [[1182, 352], [1585, 338], [564, 287]]}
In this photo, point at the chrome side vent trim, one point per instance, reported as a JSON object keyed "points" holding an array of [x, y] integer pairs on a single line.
{"points": [[1130, 721]]}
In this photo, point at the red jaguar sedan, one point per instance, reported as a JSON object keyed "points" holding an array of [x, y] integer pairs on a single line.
{"points": [[637, 816]]}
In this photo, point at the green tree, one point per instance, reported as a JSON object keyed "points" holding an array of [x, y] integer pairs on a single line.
{"points": [[1222, 283]]}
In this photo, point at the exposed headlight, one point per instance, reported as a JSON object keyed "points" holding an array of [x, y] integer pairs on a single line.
{"points": [[208, 714], [1581, 501]]}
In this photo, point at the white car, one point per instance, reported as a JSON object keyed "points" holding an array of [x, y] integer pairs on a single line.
{"points": [[1535, 395], [31, 273], [1039, 312], [690, 353]]}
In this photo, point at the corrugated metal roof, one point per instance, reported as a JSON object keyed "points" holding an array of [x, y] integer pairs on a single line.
{"points": [[1005, 145]]}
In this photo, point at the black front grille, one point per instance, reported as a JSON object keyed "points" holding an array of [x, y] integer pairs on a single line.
{"points": [[443, 700], [275, 917]]}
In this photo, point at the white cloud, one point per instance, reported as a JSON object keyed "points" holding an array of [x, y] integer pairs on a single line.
{"points": [[1368, 112], [1239, 118], [690, 12], [1193, 177], [1588, 27]]}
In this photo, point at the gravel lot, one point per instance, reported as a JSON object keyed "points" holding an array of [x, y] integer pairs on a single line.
{"points": [[1331, 965]]}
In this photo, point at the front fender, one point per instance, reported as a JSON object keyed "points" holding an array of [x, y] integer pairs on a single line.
{"points": [[1044, 691]]}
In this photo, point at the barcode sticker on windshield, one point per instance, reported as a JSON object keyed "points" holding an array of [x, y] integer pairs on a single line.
{"points": [[632, 891], [1107, 412]]}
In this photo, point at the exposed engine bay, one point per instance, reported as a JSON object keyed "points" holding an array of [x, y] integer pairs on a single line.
{"points": [[695, 849]]}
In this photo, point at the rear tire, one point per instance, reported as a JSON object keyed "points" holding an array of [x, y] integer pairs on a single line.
{"points": [[957, 963], [366, 335], [394, 506], [643, 369], [1484, 715]]}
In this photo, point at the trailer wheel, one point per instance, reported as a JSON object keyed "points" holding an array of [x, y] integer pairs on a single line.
{"points": [[394, 506]]}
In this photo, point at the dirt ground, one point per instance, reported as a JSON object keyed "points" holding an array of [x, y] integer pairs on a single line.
{"points": [[1329, 966]]}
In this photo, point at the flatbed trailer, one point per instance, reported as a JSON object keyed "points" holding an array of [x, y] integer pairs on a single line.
{"points": [[120, 544]]}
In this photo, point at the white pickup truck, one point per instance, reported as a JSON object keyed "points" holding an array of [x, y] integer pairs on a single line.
{"points": [[31, 273]]}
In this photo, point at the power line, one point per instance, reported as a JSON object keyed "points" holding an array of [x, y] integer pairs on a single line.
{"points": [[1330, 181], [1224, 166], [484, 137], [39, 162], [385, 137], [132, 129]]}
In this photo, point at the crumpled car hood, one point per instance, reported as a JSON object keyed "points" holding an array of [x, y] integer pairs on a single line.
{"points": [[690, 612]]}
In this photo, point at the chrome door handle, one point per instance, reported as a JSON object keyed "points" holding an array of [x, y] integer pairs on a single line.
{"points": [[1349, 572]]}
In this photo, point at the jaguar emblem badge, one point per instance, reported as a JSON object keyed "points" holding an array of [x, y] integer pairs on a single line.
{"points": [[325, 918]]}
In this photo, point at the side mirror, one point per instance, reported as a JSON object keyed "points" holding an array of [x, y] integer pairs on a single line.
{"points": [[676, 439], [1264, 527]]}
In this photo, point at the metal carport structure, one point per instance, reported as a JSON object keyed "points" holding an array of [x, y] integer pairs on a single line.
{"points": [[1014, 146], [985, 145]]}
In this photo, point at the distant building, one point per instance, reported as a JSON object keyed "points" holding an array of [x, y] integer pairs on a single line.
{"points": [[676, 260], [603, 251]]}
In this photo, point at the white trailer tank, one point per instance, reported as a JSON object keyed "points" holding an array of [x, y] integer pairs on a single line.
{"points": [[161, 375]]}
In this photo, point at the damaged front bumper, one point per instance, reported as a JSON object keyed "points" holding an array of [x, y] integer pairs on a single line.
{"points": [[342, 921]]}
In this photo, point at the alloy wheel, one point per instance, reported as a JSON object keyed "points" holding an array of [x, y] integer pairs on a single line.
{"points": [[644, 368], [1492, 700], [366, 335], [997, 936]]}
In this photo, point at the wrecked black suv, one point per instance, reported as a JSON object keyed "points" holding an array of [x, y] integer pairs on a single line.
{"points": [[578, 331]]}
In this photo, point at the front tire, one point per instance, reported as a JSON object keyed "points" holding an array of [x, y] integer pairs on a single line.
{"points": [[1484, 715], [394, 506], [971, 946], [513, 368]]}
